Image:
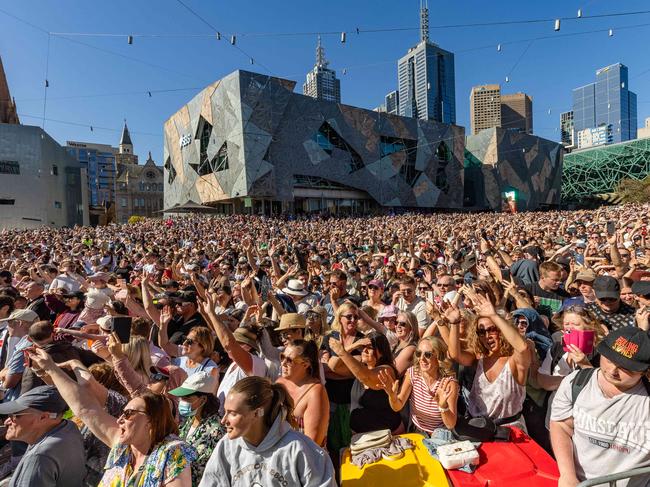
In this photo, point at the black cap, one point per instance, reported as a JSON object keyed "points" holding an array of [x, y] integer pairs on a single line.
{"points": [[170, 283], [627, 347], [41, 398], [188, 297], [641, 288], [607, 287]]}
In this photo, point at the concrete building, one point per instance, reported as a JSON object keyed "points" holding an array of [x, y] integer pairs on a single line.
{"points": [[517, 113], [322, 82], [8, 113], [644, 133], [485, 107], [426, 79], [247, 143], [40, 184], [566, 129], [605, 112], [392, 102], [139, 190]]}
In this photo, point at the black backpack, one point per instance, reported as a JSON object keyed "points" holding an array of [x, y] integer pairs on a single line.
{"points": [[582, 378]]}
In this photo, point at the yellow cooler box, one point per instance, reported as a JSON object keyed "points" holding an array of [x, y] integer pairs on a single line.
{"points": [[416, 468]]}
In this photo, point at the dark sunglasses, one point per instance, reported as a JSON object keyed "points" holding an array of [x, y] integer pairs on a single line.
{"points": [[372, 286], [289, 360], [406, 291], [492, 330], [350, 317], [403, 324], [129, 413], [189, 341], [426, 354]]}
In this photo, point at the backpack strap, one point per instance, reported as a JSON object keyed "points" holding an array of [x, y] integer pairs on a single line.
{"points": [[579, 382], [556, 353]]}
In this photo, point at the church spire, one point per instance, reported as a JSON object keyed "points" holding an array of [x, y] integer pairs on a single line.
{"points": [[126, 146], [8, 112]]}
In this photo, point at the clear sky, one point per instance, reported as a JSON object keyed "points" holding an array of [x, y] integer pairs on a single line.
{"points": [[103, 85]]}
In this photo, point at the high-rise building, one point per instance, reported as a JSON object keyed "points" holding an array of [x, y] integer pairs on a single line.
{"points": [[517, 112], [605, 111], [427, 86], [392, 102], [322, 83], [644, 133], [8, 112], [566, 128], [485, 107], [99, 162]]}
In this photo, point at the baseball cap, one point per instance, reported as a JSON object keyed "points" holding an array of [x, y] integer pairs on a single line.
{"points": [[23, 315], [388, 311], [627, 347], [197, 382], [607, 287], [377, 282], [640, 288], [99, 276], [586, 275], [41, 398]]}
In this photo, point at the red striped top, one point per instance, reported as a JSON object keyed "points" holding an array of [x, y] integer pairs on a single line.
{"points": [[424, 406]]}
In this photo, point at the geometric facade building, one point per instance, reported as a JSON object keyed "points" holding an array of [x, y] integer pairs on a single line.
{"points": [[504, 164], [248, 143], [597, 171]]}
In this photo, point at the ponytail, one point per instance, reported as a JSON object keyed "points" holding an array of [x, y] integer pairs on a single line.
{"points": [[272, 398]]}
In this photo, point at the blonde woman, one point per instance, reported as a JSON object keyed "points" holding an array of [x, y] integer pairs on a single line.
{"points": [[429, 386], [139, 355]]}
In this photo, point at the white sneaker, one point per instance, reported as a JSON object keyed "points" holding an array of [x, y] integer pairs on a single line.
{"points": [[8, 468]]}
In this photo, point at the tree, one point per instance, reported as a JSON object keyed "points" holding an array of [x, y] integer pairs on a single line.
{"points": [[634, 190], [135, 219]]}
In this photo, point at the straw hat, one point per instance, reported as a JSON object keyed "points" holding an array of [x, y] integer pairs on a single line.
{"points": [[291, 321]]}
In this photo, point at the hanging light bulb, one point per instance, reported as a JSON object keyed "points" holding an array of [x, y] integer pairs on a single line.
{"points": [[579, 12], [47, 84], [345, 70], [499, 47], [218, 36], [342, 37], [233, 39], [149, 94], [129, 39], [252, 62], [557, 24], [507, 79], [611, 32], [549, 111], [91, 128]]}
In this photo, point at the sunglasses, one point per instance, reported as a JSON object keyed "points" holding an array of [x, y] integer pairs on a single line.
{"points": [[492, 330], [427, 355], [350, 317], [608, 300], [129, 413], [189, 341], [403, 324], [312, 316], [286, 334], [288, 360], [406, 291], [373, 287]]}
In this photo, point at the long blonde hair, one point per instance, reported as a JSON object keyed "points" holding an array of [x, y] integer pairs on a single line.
{"points": [[139, 355], [445, 366], [343, 309]]}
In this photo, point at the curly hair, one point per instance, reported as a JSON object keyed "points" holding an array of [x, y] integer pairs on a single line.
{"points": [[439, 347], [591, 321], [478, 347]]}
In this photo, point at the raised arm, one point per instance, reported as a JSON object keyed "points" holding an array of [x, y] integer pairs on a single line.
{"points": [[368, 377], [84, 405]]}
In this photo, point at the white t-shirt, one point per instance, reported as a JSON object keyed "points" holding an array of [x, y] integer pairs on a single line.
{"points": [[233, 374], [609, 434], [561, 369]]}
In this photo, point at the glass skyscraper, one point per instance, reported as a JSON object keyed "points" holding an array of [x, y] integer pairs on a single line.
{"points": [[99, 160], [607, 105], [427, 83]]}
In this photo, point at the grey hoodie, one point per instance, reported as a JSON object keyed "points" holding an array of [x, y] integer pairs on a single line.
{"points": [[285, 457]]}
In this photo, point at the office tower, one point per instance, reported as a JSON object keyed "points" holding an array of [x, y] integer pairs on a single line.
{"points": [[485, 107], [517, 112], [322, 83], [605, 111], [392, 102], [426, 80], [644, 133], [566, 128]]}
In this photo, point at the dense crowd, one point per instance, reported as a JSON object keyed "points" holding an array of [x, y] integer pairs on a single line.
{"points": [[246, 350]]}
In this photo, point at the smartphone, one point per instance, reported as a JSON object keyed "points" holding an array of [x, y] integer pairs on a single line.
{"points": [[429, 296], [611, 228], [583, 339], [122, 327]]}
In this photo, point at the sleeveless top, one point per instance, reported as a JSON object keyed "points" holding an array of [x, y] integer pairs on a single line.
{"points": [[424, 405], [370, 410], [499, 399]]}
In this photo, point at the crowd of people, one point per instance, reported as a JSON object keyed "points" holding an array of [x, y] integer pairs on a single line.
{"points": [[247, 350]]}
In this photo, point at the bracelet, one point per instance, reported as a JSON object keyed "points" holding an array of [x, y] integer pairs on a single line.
{"points": [[443, 410]]}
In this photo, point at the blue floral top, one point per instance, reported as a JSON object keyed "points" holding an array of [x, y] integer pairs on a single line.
{"points": [[165, 463]]}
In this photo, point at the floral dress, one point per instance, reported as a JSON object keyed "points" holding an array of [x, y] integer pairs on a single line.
{"points": [[166, 462], [204, 438]]}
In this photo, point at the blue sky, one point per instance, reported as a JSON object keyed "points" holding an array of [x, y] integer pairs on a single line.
{"points": [[103, 85]]}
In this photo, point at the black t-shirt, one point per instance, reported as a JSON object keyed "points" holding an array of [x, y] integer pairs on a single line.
{"points": [[178, 329], [338, 390], [547, 302], [613, 321]]}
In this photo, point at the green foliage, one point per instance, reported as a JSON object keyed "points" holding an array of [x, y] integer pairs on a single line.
{"points": [[634, 190]]}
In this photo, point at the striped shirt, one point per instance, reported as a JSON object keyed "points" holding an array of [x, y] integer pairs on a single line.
{"points": [[424, 405]]}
